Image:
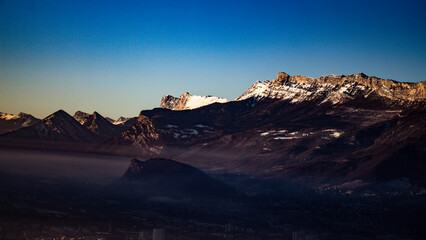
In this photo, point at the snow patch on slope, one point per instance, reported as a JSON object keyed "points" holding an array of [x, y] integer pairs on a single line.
{"points": [[200, 101], [295, 91], [187, 101], [7, 116]]}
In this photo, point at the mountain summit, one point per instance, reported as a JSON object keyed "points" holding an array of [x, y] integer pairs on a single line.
{"points": [[81, 117], [59, 126], [11, 122], [188, 101], [100, 126], [125, 121], [334, 88]]}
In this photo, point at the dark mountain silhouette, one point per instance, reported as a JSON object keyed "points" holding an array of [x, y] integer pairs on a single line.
{"points": [[110, 120], [125, 122], [100, 126], [159, 177], [59, 126]]}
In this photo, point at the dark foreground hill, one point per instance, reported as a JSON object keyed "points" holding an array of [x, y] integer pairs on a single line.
{"points": [[164, 179]]}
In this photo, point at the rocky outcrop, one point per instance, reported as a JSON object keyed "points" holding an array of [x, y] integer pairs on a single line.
{"points": [[173, 103], [335, 88], [142, 134], [81, 117], [188, 101]]}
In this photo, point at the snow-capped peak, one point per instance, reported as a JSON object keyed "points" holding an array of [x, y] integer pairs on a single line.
{"points": [[21, 115], [7, 116], [188, 101], [332, 88]]}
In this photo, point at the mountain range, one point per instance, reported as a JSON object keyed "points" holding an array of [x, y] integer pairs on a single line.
{"points": [[334, 128], [11, 122]]}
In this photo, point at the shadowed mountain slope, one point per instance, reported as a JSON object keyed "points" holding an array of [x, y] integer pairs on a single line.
{"points": [[167, 178]]}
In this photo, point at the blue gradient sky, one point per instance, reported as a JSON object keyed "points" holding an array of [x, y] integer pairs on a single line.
{"points": [[120, 57]]}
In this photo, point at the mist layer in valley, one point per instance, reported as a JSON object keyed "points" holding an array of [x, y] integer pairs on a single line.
{"points": [[79, 167]]}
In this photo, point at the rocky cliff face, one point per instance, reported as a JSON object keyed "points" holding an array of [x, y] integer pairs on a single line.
{"points": [[81, 117], [142, 134], [334, 89], [188, 101]]}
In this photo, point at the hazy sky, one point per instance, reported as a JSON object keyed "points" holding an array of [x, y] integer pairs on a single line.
{"points": [[120, 57]]}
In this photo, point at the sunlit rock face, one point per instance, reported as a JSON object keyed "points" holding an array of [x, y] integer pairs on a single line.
{"points": [[187, 101], [334, 88], [81, 117]]}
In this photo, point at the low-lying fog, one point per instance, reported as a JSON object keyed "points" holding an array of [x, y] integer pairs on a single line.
{"points": [[101, 169]]}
